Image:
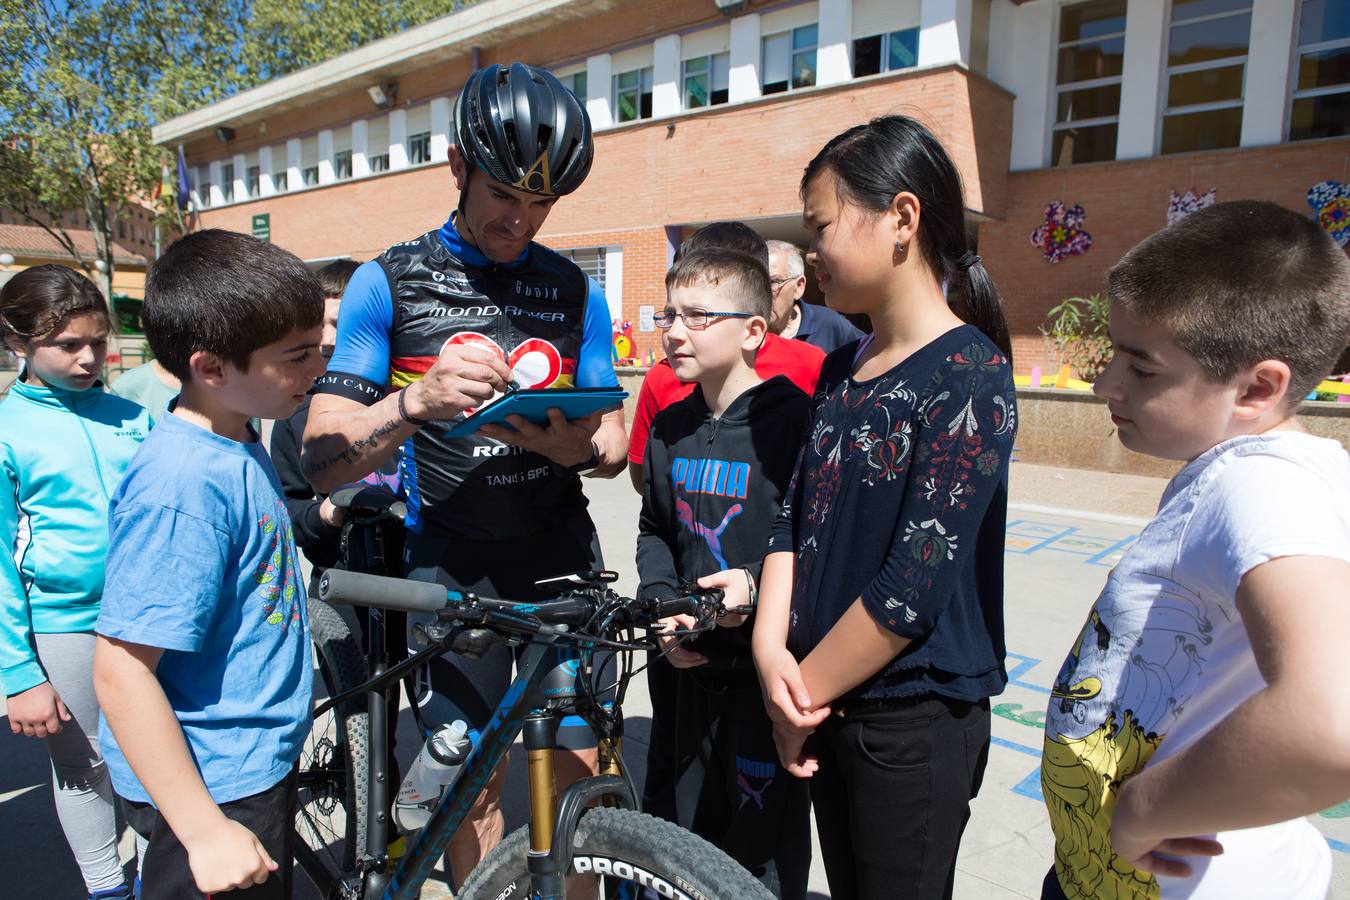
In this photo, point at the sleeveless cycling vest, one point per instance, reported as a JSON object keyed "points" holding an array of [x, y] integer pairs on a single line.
{"points": [[532, 315]]}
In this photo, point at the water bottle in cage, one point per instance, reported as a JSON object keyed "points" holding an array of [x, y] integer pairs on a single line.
{"points": [[434, 768]]}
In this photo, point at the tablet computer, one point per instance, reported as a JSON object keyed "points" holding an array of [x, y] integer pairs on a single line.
{"points": [[533, 405]]}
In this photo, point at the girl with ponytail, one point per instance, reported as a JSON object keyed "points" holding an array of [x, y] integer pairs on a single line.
{"points": [[879, 633]]}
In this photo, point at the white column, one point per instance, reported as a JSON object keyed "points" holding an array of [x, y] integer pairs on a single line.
{"points": [[614, 282], [745, 58], [240, 178], [1141, 88], [944, 32], [217, 192], [266, 185], [440, 129], [326, 173], [834, 63], [398, 139], [599, 78], [1022, 60], [360, 159], [1267, 83], [294, 179], [666, 76]]}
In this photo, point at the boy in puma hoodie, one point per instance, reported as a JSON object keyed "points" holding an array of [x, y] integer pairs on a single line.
{"points": [[716, 469]]}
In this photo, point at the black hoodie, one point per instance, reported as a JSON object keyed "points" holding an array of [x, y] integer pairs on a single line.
{"points": [[711, 490]]}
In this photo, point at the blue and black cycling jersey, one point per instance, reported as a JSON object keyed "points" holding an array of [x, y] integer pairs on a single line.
{"points": [[547, 320]]}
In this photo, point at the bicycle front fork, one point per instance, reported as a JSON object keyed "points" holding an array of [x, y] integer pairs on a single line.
{"points": [[553, 824]]}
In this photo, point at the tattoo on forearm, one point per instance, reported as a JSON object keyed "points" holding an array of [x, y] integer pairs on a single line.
{"points": [[352, 454]]}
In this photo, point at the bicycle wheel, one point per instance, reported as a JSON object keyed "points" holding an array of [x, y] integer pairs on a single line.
{"points": [[330, 817], [634, 851]]}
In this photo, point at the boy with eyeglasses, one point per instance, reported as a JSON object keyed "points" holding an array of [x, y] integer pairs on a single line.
{"points": [[716, 468]]}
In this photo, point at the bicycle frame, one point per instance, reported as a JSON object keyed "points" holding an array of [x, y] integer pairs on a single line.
{"points": [[522, 707]]}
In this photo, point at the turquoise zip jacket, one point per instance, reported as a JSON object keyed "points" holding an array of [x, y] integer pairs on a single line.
{"points": [[62, 454]]}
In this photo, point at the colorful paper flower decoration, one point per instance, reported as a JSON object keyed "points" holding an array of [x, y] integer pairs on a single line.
{"points": [[1061, 234], [1330, 201], [1179, 207]]}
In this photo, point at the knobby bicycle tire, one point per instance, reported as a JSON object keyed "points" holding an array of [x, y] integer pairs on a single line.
{"points": [[330, 817], [635, 850]]}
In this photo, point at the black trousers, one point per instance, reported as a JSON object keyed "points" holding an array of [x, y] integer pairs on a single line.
{"points": [[893, 793], [729, 787], [270, 815]]}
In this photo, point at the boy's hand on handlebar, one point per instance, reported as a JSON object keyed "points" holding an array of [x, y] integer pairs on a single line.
{"points": [[331, 514], [228, 857], [37, 712], [566, 442], [462, 377], [735, 594], [671, 648]]}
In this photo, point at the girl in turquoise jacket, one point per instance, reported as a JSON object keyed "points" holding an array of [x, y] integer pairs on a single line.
{"points": [[64, 443]]}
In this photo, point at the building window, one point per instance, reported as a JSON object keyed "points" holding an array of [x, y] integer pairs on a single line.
{"points": [[342, 165], [227, 181], [789, 60], [310, 174], [280, 180], [576, 83], [204, 194], [379, 163], [633, 95], [121, 229], [1321, 106], [1206, 67], [886, 52], [590, 260], [251, 180], [419, 148], [707, 80], [1089, 64]]}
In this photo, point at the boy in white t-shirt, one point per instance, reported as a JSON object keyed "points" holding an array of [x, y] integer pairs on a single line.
{"points": [[1200, 714]]}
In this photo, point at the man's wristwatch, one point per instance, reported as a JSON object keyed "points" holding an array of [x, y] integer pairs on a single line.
{"points": [[588, 464]]}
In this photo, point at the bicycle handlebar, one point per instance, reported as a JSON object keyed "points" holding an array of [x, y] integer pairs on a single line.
{"points": [[360, 589], [573, 608]]}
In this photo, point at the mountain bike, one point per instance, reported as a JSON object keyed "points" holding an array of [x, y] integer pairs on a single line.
{"points": [[609, 850]]}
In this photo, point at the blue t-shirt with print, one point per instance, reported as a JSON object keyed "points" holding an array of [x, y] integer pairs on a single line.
{"points": [[202, 563]]}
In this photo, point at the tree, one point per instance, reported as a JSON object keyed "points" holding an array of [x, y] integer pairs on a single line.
{"points": [[286, 35], [81, 81]]}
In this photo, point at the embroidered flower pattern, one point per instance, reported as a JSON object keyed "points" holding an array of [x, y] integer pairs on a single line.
{"points": [[935, 447], [1179, 207], [1061, 234], [1330, 201], [277, 574]]}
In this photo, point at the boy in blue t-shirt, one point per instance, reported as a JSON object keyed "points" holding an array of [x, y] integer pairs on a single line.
{"points": [[202, 666]]}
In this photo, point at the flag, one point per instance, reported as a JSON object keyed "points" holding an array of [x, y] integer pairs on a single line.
{"points": [[184, 183], [165, 186]]}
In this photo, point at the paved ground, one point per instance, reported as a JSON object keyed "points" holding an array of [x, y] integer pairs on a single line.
{"points": [[1057, 560]]}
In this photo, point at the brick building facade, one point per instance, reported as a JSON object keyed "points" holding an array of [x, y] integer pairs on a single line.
{"points": [[699, 116]]}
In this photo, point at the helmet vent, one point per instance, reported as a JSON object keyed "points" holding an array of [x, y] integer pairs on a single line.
{"points": [[544, 136], [512, 142]]}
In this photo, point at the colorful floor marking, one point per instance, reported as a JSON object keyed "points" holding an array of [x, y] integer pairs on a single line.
{"points": [[1026, 536]]}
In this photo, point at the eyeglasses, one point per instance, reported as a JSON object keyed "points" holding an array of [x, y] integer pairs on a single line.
{"points": [[695, 319], [779, 282]]}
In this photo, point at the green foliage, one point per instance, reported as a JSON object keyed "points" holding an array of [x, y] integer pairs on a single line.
{"points": [[1077, 329], [82, 81], [285, 35]]}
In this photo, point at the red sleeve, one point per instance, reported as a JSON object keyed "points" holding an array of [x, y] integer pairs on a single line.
{"points": [[798, 360], [659, 389]]}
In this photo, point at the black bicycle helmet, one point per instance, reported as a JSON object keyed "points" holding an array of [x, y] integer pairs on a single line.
{"points": [[523, 128]]}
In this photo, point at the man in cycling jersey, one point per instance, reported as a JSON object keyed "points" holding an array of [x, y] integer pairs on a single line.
{"points": [[437, 326]]}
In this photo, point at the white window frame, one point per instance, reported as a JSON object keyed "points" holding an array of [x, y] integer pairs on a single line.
{"points": [[645, 85], [1056, 88], [709, 71], [886, 48], [342, 159], [420, 139], [1310, 93], [1226, 62], [793, 53]]}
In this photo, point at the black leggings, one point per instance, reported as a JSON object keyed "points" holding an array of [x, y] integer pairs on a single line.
{"points": [[893, 793]]}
